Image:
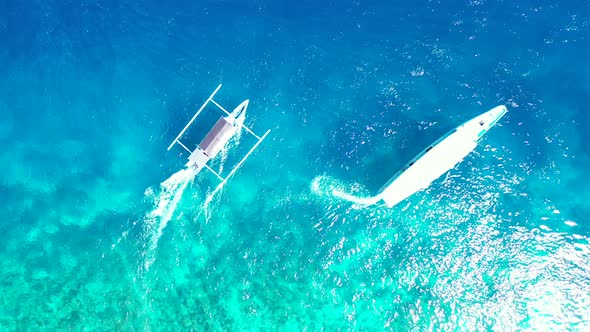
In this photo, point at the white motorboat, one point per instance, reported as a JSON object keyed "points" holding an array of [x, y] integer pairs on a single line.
{"points": [[434, 161]]}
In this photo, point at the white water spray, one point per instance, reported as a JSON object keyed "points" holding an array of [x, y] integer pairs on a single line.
{"points": [[327, 186], [355, 199], [165, 202]]}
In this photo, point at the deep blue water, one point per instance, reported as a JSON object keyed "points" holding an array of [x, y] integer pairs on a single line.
{"points": [[92, 93]]}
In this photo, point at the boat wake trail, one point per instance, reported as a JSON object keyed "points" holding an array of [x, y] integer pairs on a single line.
{"points": [[326, 186], [354, 199], [165, 201]]}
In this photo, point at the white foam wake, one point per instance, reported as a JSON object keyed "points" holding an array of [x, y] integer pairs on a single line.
{"points": [[355, 199], [330, 187], [165, 202]]}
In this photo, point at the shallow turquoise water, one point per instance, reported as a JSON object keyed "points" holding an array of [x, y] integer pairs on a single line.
{"points": [[92, 93]]}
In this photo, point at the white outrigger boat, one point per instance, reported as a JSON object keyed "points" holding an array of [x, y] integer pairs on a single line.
{"points": [[434, 161], [216, 139]]}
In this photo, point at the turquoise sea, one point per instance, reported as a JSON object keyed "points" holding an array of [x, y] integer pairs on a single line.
{"points": [[102, 230]]}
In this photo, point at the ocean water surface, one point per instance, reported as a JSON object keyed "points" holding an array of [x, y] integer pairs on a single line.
{"points": [[103, 229]]}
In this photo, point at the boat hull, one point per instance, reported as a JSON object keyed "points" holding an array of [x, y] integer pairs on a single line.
{"points": [[440, 157]]}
